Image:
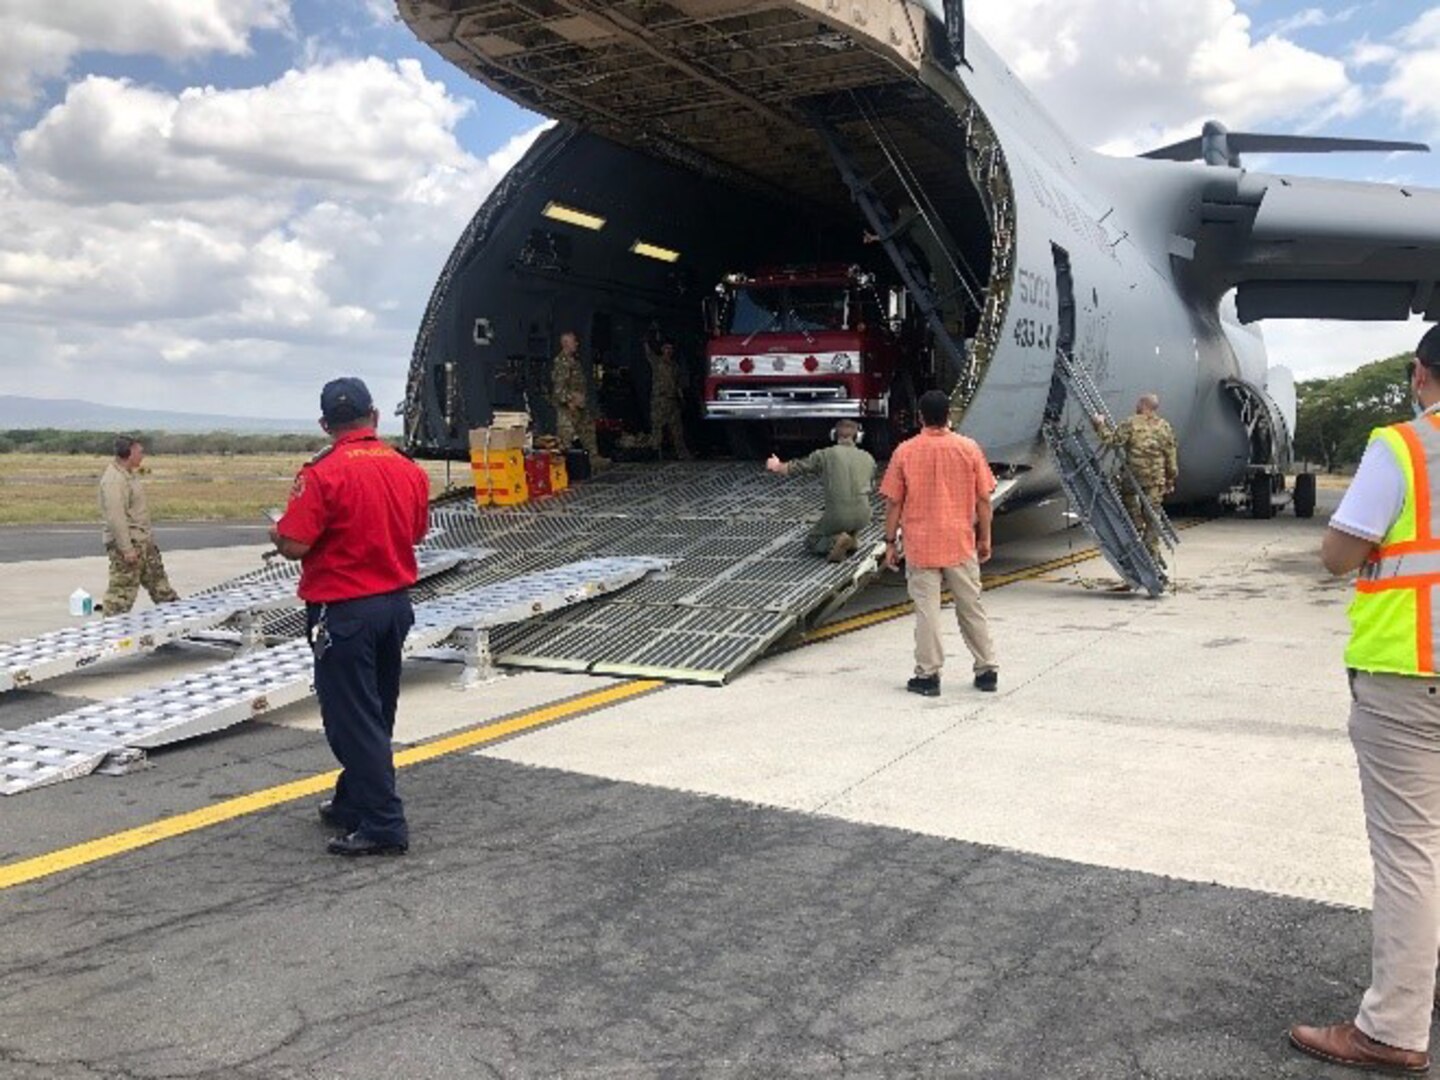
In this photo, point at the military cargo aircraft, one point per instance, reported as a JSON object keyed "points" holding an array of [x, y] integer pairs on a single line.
{"points": [[700, 138]]}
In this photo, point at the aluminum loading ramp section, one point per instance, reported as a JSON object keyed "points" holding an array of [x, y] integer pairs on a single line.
{"points": [[741, 579], [25, 663], [76, 743]]}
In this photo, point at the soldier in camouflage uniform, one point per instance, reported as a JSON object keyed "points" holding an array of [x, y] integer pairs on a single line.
{"points": [[571, 397], [1151, 452], [134, 558], [666, 399], [848, 474]]}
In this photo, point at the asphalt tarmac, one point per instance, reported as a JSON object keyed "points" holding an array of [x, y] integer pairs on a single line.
{"points": [[1143, 858], [24, 543]]}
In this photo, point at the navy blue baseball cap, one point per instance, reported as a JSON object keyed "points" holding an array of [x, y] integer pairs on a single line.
{"points": [[344, 400]]}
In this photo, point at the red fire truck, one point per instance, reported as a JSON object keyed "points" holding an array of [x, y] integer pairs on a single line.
{"points": [[794, 349]]}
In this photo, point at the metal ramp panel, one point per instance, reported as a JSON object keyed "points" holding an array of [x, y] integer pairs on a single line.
{"points": [[740, 579], [643, 641], [27, 763], [76, 743], [49, 656], [34, 660]]}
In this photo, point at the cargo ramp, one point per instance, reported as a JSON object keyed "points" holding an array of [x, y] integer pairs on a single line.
{"points": [[79, 742], [236, 606], [740, 581]]}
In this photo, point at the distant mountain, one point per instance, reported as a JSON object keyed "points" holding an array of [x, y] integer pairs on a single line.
{"points": [[71, 415]]}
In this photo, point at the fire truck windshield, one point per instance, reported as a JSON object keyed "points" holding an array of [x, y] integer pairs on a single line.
{"points": [[798, 308]]}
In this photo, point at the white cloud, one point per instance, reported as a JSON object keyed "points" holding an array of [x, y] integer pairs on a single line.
{"points": [[258, 239], [39, 39], [1310, 18], [1317, 348], [1131, 74], [363, 123], [1415, 69], [1366, 53], [381, 11]]}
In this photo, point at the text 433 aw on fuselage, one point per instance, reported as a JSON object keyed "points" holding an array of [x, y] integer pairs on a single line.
{"points": [[1036, 293]]}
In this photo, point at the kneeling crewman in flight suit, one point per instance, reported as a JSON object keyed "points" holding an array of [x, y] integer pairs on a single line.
{"points": [[848, 474]]}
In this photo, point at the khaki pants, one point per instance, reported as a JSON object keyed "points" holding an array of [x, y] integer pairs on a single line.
{"points": [[126, 579], [964, 584], [1395, 729]]}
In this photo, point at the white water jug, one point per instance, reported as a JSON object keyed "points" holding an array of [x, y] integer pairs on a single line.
{"points": [[81, 603]]}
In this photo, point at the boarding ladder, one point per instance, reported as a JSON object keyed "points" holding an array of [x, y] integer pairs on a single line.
{"points": [[109, 735], [887, 231], [1095, 491]]}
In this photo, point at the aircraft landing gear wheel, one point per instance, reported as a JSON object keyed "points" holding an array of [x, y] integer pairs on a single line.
{"points": [[1305, 495], [1262, 507]]}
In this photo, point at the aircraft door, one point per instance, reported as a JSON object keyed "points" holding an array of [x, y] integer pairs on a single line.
{"points": [[1064, 328], [1064, 301]]}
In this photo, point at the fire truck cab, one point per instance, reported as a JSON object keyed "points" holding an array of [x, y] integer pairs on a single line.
{"points": [[794, 349]]}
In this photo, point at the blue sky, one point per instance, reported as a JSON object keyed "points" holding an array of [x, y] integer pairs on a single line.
{"points": [[215, 205]]}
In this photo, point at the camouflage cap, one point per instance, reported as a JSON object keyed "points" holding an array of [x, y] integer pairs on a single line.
{"points": [[344, 400]]}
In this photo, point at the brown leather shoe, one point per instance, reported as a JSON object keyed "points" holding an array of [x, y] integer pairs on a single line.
{"points": [[1345, 1044]]}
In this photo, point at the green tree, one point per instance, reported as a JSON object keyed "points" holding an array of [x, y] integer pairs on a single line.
{"points": [[1335, 416]]}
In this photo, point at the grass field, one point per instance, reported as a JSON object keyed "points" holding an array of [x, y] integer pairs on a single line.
{"points": [[40, 489]]}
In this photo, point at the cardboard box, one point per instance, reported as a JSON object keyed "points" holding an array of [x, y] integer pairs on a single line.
{"points": [[499, 477], [497, 438]]}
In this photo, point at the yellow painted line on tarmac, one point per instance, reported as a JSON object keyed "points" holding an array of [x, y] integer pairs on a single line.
{"points": [[106, 847]]}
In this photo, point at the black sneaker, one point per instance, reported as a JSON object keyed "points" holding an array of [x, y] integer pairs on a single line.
{"points": [[357, 844], [988, 681], [926, 685]]}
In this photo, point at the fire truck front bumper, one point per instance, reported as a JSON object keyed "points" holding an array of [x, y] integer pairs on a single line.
{"points": [[790, 403]]}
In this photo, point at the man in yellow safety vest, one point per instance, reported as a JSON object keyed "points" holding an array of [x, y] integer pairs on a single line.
{"points": [[1388, 528]]}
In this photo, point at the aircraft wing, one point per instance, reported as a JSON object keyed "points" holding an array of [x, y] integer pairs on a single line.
{"points": [[1296, 247]]}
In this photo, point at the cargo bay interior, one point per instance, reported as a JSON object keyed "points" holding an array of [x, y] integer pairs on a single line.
{"points": [[692, 144]]}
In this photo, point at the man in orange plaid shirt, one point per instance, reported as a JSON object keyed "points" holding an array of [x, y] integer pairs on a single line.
{"points": [[938, 487]]}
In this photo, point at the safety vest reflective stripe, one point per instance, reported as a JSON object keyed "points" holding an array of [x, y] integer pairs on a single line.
{"points": [[1395, 616], [1423, 440], [1409, 565], [1424, 581], [1410, 547]]}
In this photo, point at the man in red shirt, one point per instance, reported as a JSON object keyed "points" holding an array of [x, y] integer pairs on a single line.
{"points": [[355, 514], [938, 487]]}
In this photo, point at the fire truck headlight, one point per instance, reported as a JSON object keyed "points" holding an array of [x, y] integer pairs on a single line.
{"points": [[719, 365], [842, 362]]}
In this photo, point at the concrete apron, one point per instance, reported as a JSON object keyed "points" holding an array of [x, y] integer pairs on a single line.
{"points": [[1200, 736]]}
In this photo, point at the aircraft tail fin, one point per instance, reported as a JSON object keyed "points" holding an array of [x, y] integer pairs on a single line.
{"points": [[1218, 146]]}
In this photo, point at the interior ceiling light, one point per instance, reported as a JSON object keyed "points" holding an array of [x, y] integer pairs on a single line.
{"points": [[654, 251], [568, 214]]}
